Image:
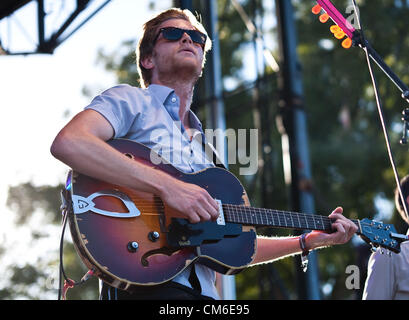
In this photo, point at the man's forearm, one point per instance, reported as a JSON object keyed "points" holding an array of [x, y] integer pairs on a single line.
{"points": [[270, 249]]}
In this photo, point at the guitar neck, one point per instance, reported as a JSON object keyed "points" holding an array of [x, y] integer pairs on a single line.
{"points": [[276, 218]]}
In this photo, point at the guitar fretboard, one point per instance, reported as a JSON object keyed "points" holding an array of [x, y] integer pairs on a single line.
{"points": [[276, 218]]}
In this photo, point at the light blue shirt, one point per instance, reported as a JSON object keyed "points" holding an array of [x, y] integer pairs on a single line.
{"points": [[151, 117]]}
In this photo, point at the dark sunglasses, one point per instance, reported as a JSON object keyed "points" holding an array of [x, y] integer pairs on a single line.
{"points": [[174, 34]]}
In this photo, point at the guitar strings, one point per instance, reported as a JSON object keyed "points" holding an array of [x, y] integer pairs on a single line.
{"points": [[249, 214], [158, 204]]}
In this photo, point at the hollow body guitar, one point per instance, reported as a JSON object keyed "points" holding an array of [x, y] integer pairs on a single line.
{"points": [[131, 238]]}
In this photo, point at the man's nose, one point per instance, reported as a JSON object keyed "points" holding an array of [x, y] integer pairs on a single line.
{"points": [[186, 37]]}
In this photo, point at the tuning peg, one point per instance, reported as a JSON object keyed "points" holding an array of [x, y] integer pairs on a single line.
{"points": [[316, 9], [335, 28], [339, 35], [347, 43], [324, 17], [337, 31]]}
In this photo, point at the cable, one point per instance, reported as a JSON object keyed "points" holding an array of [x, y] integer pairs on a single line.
{"points": [[68, 283], [364, 44], [62, 272]]}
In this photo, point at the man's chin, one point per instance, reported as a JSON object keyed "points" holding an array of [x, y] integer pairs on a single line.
{"points": [[185, 67]]}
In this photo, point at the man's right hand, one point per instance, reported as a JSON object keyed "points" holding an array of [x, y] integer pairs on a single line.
{"points": [[190, 201]]}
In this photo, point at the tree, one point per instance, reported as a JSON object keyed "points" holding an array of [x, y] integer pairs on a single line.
{"points": [[40, 279]]}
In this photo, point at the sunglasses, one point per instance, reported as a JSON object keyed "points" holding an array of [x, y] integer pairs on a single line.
{"points": [[174, 34]]}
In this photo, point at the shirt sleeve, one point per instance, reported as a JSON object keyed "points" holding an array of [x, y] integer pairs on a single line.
{"points": [[380, 282], [120, 106]]}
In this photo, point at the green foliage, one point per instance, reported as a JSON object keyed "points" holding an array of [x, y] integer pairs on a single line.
{"points": [[25, 198], [40, 279], [121, 63]]}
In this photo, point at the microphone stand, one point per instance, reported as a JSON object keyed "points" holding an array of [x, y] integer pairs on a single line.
{"points": [[360, 40]]}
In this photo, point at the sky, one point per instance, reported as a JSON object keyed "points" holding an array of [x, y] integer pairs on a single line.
{"points": [[35, 93]]}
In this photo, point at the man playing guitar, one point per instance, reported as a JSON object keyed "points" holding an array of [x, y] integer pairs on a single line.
{"points": [[170, 58]]}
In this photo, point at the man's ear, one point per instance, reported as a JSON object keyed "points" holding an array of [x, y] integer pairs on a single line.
{"points": [[147, 63]]}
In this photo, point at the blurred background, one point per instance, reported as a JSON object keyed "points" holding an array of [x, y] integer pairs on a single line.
{"points": [[340, 159]]}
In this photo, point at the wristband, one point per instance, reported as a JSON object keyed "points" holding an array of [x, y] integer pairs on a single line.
{"points": [[305, 252]]}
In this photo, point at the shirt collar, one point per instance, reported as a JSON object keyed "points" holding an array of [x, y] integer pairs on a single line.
{"points": [[161, 92]]}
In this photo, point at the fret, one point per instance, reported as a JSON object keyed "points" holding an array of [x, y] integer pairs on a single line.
{"points": [[305, 224], [292, 221], [246, 217], [284, 219], [283, 222], [276, 220], [317, 223], [272, 217], [258, 217], [253, 216], [266, 217]]}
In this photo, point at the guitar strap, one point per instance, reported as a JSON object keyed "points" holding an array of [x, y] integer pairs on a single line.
{"points": [[215, 156], [194, 280]]}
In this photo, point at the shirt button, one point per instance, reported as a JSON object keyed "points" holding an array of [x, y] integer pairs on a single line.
{"points": [[173, 100]]}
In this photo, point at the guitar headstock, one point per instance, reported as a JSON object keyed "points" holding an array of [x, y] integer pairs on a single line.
{"points": [[379, 234], [342, 28]]}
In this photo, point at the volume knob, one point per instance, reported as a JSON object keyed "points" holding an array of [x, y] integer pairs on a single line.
{"points": [[132, 246], [153, 236]]}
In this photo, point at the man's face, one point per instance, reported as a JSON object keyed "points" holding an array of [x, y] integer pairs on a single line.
{"points": [[181, 57]]}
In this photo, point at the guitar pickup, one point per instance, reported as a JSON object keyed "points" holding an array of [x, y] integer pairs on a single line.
{"points": [[182, 233]]}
